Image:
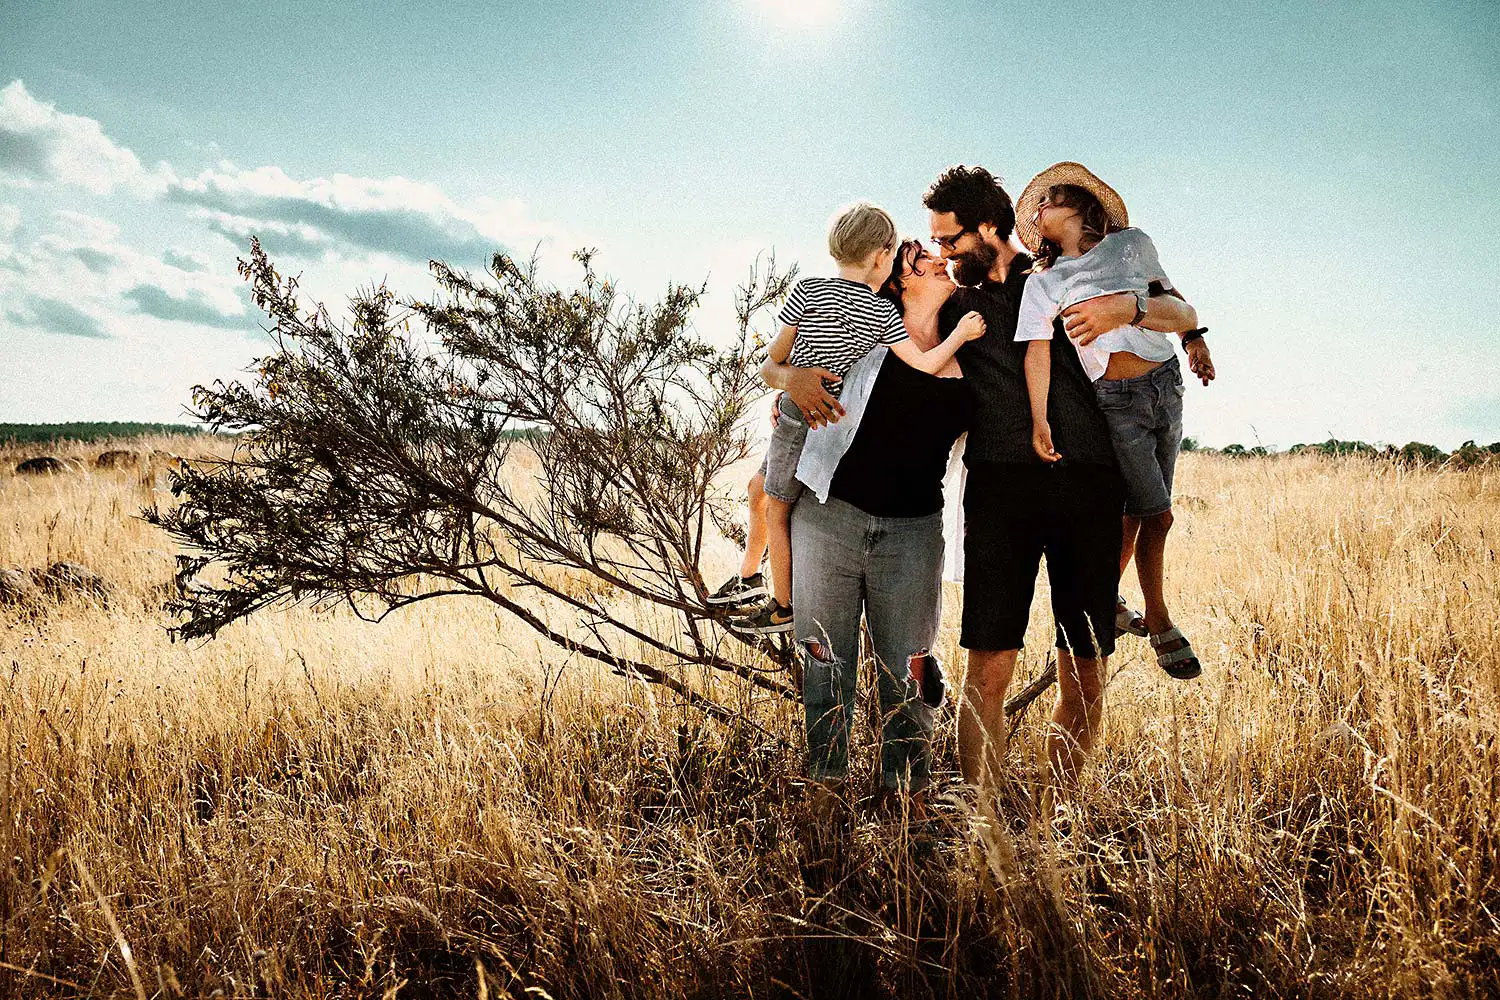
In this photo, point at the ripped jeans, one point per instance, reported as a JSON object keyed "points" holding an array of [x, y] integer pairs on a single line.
{"points": [[890, 569]]}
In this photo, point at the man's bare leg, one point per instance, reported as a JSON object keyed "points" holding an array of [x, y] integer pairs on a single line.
{"points": [[1150, 568], [1075, 719], [755, 531], [981, 719]]}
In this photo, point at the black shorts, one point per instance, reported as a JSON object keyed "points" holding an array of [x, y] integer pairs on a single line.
{"points": [[1016, 513]]}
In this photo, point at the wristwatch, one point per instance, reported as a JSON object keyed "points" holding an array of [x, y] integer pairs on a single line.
{"points": [[1141, 300]]}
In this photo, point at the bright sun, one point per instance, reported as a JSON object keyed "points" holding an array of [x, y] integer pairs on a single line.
{"points": [[800, 11]]}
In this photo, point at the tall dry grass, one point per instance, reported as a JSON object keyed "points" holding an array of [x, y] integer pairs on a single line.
{"points": [[312, 806]]}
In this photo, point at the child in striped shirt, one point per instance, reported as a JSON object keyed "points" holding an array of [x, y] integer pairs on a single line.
{"points": [[831, 323]]}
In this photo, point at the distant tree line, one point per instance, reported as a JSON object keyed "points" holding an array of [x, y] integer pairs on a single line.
{"points": [[87, 431], [1411, 453]]}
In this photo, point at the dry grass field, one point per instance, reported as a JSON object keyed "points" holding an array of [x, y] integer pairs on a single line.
{"points": [[438, 805]]}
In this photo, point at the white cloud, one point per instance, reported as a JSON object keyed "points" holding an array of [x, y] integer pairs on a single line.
{"points": [[185, 260], [10, 221], [394, 215], [78, 274], [39, 144]]}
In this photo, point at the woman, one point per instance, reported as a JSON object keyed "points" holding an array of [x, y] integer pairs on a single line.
{"points": [[867, 536]]}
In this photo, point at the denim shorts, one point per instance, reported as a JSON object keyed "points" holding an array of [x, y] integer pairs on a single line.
{"points": [[784, 452], [1145, 421]]}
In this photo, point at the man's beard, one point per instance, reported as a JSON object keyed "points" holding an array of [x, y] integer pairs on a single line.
{"points": [[972, 266]]}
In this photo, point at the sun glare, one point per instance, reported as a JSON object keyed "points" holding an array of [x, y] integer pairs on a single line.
{"points": [[799, 12]]}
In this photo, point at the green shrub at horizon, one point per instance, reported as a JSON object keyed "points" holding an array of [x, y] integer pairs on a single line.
{"points": [[87, 431], [1413, 452]]}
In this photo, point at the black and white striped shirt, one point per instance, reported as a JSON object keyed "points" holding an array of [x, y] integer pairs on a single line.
{"points": [[838, 321]]}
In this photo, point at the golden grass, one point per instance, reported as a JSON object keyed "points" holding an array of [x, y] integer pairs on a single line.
{"points": [[311, 806]]}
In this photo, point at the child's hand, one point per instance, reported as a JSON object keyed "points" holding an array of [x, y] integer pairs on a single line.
{"points": [[1041, 442], [971, 327]]}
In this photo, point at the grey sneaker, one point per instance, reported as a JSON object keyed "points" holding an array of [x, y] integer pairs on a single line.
{"points": [[771, 619], [740, 591]]}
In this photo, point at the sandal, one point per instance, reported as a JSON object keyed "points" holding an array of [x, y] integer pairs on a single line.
{"points": [[1181, 663], [1127, 620]]}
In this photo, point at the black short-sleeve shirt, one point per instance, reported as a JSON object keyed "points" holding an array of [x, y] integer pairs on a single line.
{"points": [[994, 367], [894, 466]]}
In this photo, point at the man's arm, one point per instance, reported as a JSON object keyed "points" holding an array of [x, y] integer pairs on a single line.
{"points": [[1168, 313], [804, 386]]}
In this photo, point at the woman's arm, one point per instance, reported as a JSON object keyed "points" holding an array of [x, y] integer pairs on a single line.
{"points": [[1038, 381], [804, 386]]}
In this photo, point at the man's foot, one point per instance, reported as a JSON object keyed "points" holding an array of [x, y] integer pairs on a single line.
{"points": [[1175, 655], [770, 619], [739, 590]]}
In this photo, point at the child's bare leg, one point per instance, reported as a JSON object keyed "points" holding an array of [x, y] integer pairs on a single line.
{"points": [[779, 541], [755, 536], [1130, 526], [1150, 568]]}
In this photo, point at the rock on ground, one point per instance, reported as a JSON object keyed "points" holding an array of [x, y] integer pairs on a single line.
{"points": [[42, 465], [66, 579], [16, 587], [119, 458]]}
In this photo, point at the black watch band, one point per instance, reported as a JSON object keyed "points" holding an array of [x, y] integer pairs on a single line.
{"points": [[1192, 335]]}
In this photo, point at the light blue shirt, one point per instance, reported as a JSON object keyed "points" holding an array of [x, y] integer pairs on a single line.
{"points": [[826, 445]]}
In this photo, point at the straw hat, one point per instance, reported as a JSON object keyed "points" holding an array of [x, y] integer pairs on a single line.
{"points": [[1066, 172]]}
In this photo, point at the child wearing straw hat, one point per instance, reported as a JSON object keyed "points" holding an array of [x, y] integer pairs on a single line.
{"points": [[1077, 228]]}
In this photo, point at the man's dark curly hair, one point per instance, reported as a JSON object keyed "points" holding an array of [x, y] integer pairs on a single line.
{"points": [[973, 195]]}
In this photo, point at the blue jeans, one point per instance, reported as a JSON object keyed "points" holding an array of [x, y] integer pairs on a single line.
{"points": [[889, 569], [1145, 422]]}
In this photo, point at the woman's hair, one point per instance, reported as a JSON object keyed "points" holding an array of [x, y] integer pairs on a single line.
{"points": [[907, 255], [1096, 224]]}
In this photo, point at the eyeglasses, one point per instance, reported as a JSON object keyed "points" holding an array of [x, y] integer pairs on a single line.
{"points": [[951, 242]]}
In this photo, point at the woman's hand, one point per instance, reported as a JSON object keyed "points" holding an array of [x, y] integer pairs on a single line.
{"points": [[971, 327], [805, 388], [1041, 442]]}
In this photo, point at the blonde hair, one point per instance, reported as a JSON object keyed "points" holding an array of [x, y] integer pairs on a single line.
{"points": [[860, 230]]}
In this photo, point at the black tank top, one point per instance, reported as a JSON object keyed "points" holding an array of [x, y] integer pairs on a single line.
{"points": [[894, 466]]}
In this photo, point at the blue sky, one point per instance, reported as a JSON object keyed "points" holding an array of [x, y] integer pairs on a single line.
{"points": [[1323, 183]]}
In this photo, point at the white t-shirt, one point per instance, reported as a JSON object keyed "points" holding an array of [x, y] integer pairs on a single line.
{"points": [[1124, 261]]}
